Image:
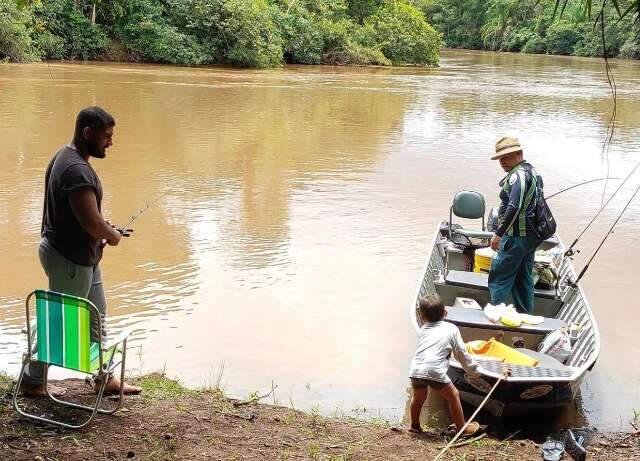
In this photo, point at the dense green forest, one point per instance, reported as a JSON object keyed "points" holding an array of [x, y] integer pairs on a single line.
{"points": [[250, 33], [267, 33], [535, 26]]}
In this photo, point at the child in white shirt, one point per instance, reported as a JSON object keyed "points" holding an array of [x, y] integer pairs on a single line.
{"points": [[437, 340]]}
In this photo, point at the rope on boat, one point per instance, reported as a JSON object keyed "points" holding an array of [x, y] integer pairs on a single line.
{"points": [[505, 372], [609, 232]]}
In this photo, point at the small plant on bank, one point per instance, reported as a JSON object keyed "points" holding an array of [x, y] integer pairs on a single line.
{"points": [[314, 450], [6, 383], [214, 383], [315, 414], [159, 387]]}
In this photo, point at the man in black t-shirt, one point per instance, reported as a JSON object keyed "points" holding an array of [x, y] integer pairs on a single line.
{"points": [[74, 232]]}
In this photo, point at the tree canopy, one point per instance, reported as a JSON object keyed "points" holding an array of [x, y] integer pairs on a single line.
{"points": [[247, 33], [570, 27], [268, 33]]}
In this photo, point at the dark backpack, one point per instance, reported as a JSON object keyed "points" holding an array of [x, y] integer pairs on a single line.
{"points": [[544, 224]]}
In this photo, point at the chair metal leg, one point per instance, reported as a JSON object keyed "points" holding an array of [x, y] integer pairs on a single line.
{"points": [[122, 369], [25, 361], [41, 418], [93, 409]]}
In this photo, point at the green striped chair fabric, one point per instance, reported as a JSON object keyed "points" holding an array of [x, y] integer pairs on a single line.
{"points": [[64, 332]]}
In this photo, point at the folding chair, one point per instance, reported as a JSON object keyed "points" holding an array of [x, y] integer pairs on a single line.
{"points": [[63, 339]]}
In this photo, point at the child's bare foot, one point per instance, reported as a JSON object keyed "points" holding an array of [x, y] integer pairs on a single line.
{"points": [[415, 429]]}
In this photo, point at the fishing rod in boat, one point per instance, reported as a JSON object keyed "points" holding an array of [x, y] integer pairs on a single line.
{"points": [[570, 251], [577, 185], [609, 232]]}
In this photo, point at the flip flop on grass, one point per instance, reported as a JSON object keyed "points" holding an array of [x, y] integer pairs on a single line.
{"points": [[552, 450]]}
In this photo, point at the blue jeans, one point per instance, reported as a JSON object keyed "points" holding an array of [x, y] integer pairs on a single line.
{"points": [[511, 274]]}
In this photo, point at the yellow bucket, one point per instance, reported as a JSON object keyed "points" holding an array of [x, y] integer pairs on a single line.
{"points": [[482, 260]]}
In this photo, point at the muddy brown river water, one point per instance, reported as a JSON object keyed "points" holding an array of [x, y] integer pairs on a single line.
{"points": [[293, 209]]}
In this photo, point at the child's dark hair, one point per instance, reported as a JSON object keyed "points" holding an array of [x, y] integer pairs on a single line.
{"points": [[432, 308]]}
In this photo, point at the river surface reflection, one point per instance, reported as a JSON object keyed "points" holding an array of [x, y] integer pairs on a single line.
{"points": [[292, 210]]}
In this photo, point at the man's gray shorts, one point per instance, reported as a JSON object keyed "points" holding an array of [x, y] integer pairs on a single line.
{"points": [[72, 279]]}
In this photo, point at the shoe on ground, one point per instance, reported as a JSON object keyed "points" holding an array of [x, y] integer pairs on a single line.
{"points": [[472, 429], [552, 450], [573, 448]]}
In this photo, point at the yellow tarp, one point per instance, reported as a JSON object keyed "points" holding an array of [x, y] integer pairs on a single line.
{"points": [[493, 348]]}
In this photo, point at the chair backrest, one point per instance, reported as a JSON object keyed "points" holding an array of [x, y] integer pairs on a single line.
{"points": [[468, 204], [64, 331]]}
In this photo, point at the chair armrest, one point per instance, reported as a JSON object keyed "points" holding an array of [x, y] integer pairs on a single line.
{"points": [[116, 340], [474, 234]]}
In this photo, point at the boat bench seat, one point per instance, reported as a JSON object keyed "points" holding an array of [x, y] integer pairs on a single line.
{"points": [[475, 318], [480, 281]]}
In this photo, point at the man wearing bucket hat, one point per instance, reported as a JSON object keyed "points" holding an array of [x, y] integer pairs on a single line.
{"points": [[515, 239]]}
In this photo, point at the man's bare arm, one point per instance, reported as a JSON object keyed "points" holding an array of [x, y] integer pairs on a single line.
{"points": [[85, 208]]}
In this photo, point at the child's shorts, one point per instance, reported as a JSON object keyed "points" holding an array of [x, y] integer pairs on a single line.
{"points": [[421, 383]]}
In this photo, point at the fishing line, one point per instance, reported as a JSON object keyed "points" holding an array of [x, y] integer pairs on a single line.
{"points": [[50, 73], [570, 251], [584, 269], [610, 126], [577, 185], [614, 91]]}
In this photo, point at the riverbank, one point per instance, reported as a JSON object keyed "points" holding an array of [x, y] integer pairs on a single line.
{"points": [[170, 422]]}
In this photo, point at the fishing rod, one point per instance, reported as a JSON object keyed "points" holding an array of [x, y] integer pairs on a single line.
{"points": [[570, 251], [124, 230], [609, 232], [577, 185]]}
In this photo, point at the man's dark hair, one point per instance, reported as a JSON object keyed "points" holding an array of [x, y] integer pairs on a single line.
{"points": [[432, 308], [94, 117]]}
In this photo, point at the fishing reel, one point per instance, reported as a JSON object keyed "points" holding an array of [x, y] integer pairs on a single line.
{"points": [[570, 252], [125, 232]]}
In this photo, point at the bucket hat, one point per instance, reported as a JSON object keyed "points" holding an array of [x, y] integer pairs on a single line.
{"points": [[506, 146]]}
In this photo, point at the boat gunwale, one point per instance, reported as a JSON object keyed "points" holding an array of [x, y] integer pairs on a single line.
{"points": [[577, 371]]}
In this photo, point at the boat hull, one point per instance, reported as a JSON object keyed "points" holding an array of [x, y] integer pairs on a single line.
{"points": [[514, 398]]}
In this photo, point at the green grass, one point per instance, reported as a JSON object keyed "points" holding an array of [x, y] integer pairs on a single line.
{"points": [[159, 387], [480, 443], [6, 382]]}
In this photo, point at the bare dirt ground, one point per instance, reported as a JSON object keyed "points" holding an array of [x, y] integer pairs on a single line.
{"points": [[170, 422]]}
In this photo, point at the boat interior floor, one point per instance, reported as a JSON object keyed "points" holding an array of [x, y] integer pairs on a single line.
{"points": [[476, 325], [480, 280], [475, 285]]}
